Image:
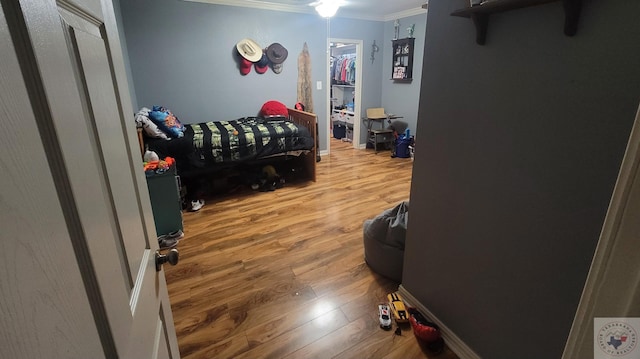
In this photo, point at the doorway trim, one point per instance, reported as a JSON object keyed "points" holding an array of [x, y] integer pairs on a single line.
{"points": [[612, 288], [357, 109]]}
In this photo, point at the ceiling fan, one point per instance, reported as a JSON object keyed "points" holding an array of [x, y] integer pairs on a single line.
{"points": [[325, 8]]}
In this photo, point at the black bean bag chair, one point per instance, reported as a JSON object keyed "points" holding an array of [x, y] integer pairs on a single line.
{"points": [[384, 238]]}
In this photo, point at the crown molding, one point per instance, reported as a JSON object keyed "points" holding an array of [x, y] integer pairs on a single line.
{"points": [[260, 5], [310, 10], [406, 13]]}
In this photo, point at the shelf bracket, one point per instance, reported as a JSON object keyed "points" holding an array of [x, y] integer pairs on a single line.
{"points": [[481, 21], [571, 16], [480, 14]]}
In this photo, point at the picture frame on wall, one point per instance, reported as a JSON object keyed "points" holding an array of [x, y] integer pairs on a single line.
{"points": [[398, 72]]}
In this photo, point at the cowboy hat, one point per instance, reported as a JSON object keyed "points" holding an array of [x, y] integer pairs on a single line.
{"points": [[277, 53], [249, 49]]}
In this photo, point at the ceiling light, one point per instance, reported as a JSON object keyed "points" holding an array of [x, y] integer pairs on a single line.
{"points": [[327, 8]]}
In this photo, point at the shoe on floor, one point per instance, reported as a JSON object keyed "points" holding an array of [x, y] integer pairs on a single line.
{"points": [[170, 240], [174, 235], [196, 205], [165, 243]]}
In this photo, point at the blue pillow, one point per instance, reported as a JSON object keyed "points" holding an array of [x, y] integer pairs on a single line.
{"points": [[166, 121]]}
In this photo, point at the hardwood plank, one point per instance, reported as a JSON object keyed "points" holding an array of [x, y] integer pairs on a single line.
{"points": [[282, 274], [229, 348], [377, 343], [368, 301], [257, 316], [417, 351], [293, 340], [335, 342]]}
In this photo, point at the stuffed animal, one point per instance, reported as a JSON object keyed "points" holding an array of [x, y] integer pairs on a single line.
{"points": [[150, 156]]}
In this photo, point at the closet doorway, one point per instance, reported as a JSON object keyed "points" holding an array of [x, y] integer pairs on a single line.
{"points": [[344, 76]]}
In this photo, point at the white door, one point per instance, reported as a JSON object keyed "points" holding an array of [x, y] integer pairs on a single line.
{"points": [[78, 276]]}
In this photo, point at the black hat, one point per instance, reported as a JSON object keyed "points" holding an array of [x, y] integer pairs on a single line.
{"points": [[277, 53]]}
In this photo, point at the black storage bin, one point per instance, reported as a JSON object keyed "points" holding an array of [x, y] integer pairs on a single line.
{"points": [[339, 131]]}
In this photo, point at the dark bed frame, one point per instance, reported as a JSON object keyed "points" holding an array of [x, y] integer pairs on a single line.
{"points": [[308, 160]]}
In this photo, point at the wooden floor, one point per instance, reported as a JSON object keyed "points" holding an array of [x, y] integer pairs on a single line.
{"points": [[282, 275]]}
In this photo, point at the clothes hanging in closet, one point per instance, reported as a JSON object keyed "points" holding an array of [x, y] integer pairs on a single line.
{"points": [[343, 69]]}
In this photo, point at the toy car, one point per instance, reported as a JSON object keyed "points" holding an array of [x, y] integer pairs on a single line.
{"points": [[397, 308], [385, 318]]}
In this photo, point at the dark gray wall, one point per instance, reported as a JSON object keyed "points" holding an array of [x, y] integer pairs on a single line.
{"points": [[398, 97], [519, 149]]}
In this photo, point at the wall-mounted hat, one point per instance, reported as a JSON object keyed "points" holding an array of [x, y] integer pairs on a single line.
{"points": [[249, 49], [277, 53], [277, 68], [245, 66], [262, 65]]}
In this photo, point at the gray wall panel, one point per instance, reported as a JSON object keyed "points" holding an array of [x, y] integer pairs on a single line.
{"points": [[519, 149]]}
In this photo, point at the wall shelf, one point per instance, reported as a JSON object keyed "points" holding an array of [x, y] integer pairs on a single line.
{"points": [[402, 59], [480, 14]]}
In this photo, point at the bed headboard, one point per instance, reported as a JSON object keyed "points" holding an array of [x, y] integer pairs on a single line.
{"points": [[310, 121]]}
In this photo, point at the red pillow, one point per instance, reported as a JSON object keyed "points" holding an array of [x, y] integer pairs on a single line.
{"points": [[274, 108]]}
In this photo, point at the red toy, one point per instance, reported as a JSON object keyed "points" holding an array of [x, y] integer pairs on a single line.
{"points": [[422, 328], [161, 164]]}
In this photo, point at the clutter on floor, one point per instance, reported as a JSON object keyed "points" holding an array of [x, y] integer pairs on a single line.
{"points": [[397, 308], [268, 180], [401, 145], [196, 205], [426, 332], [384, 316], [170, 240]]}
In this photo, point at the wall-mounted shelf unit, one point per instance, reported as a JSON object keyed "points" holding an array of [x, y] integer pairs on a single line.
{"points": [[402, 61], [480, 14]]}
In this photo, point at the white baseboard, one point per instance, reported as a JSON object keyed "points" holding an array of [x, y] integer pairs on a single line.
{"points": [[361, 146], [450, 338]]}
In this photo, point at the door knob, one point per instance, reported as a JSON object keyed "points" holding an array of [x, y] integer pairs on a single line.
{"points": [[172, 257]]}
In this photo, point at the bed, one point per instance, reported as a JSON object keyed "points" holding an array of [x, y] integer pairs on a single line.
{"points": [[214, 146]]}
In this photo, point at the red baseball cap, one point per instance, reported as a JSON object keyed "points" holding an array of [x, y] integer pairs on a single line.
{"points": [[245, 66], [262, 65]]}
